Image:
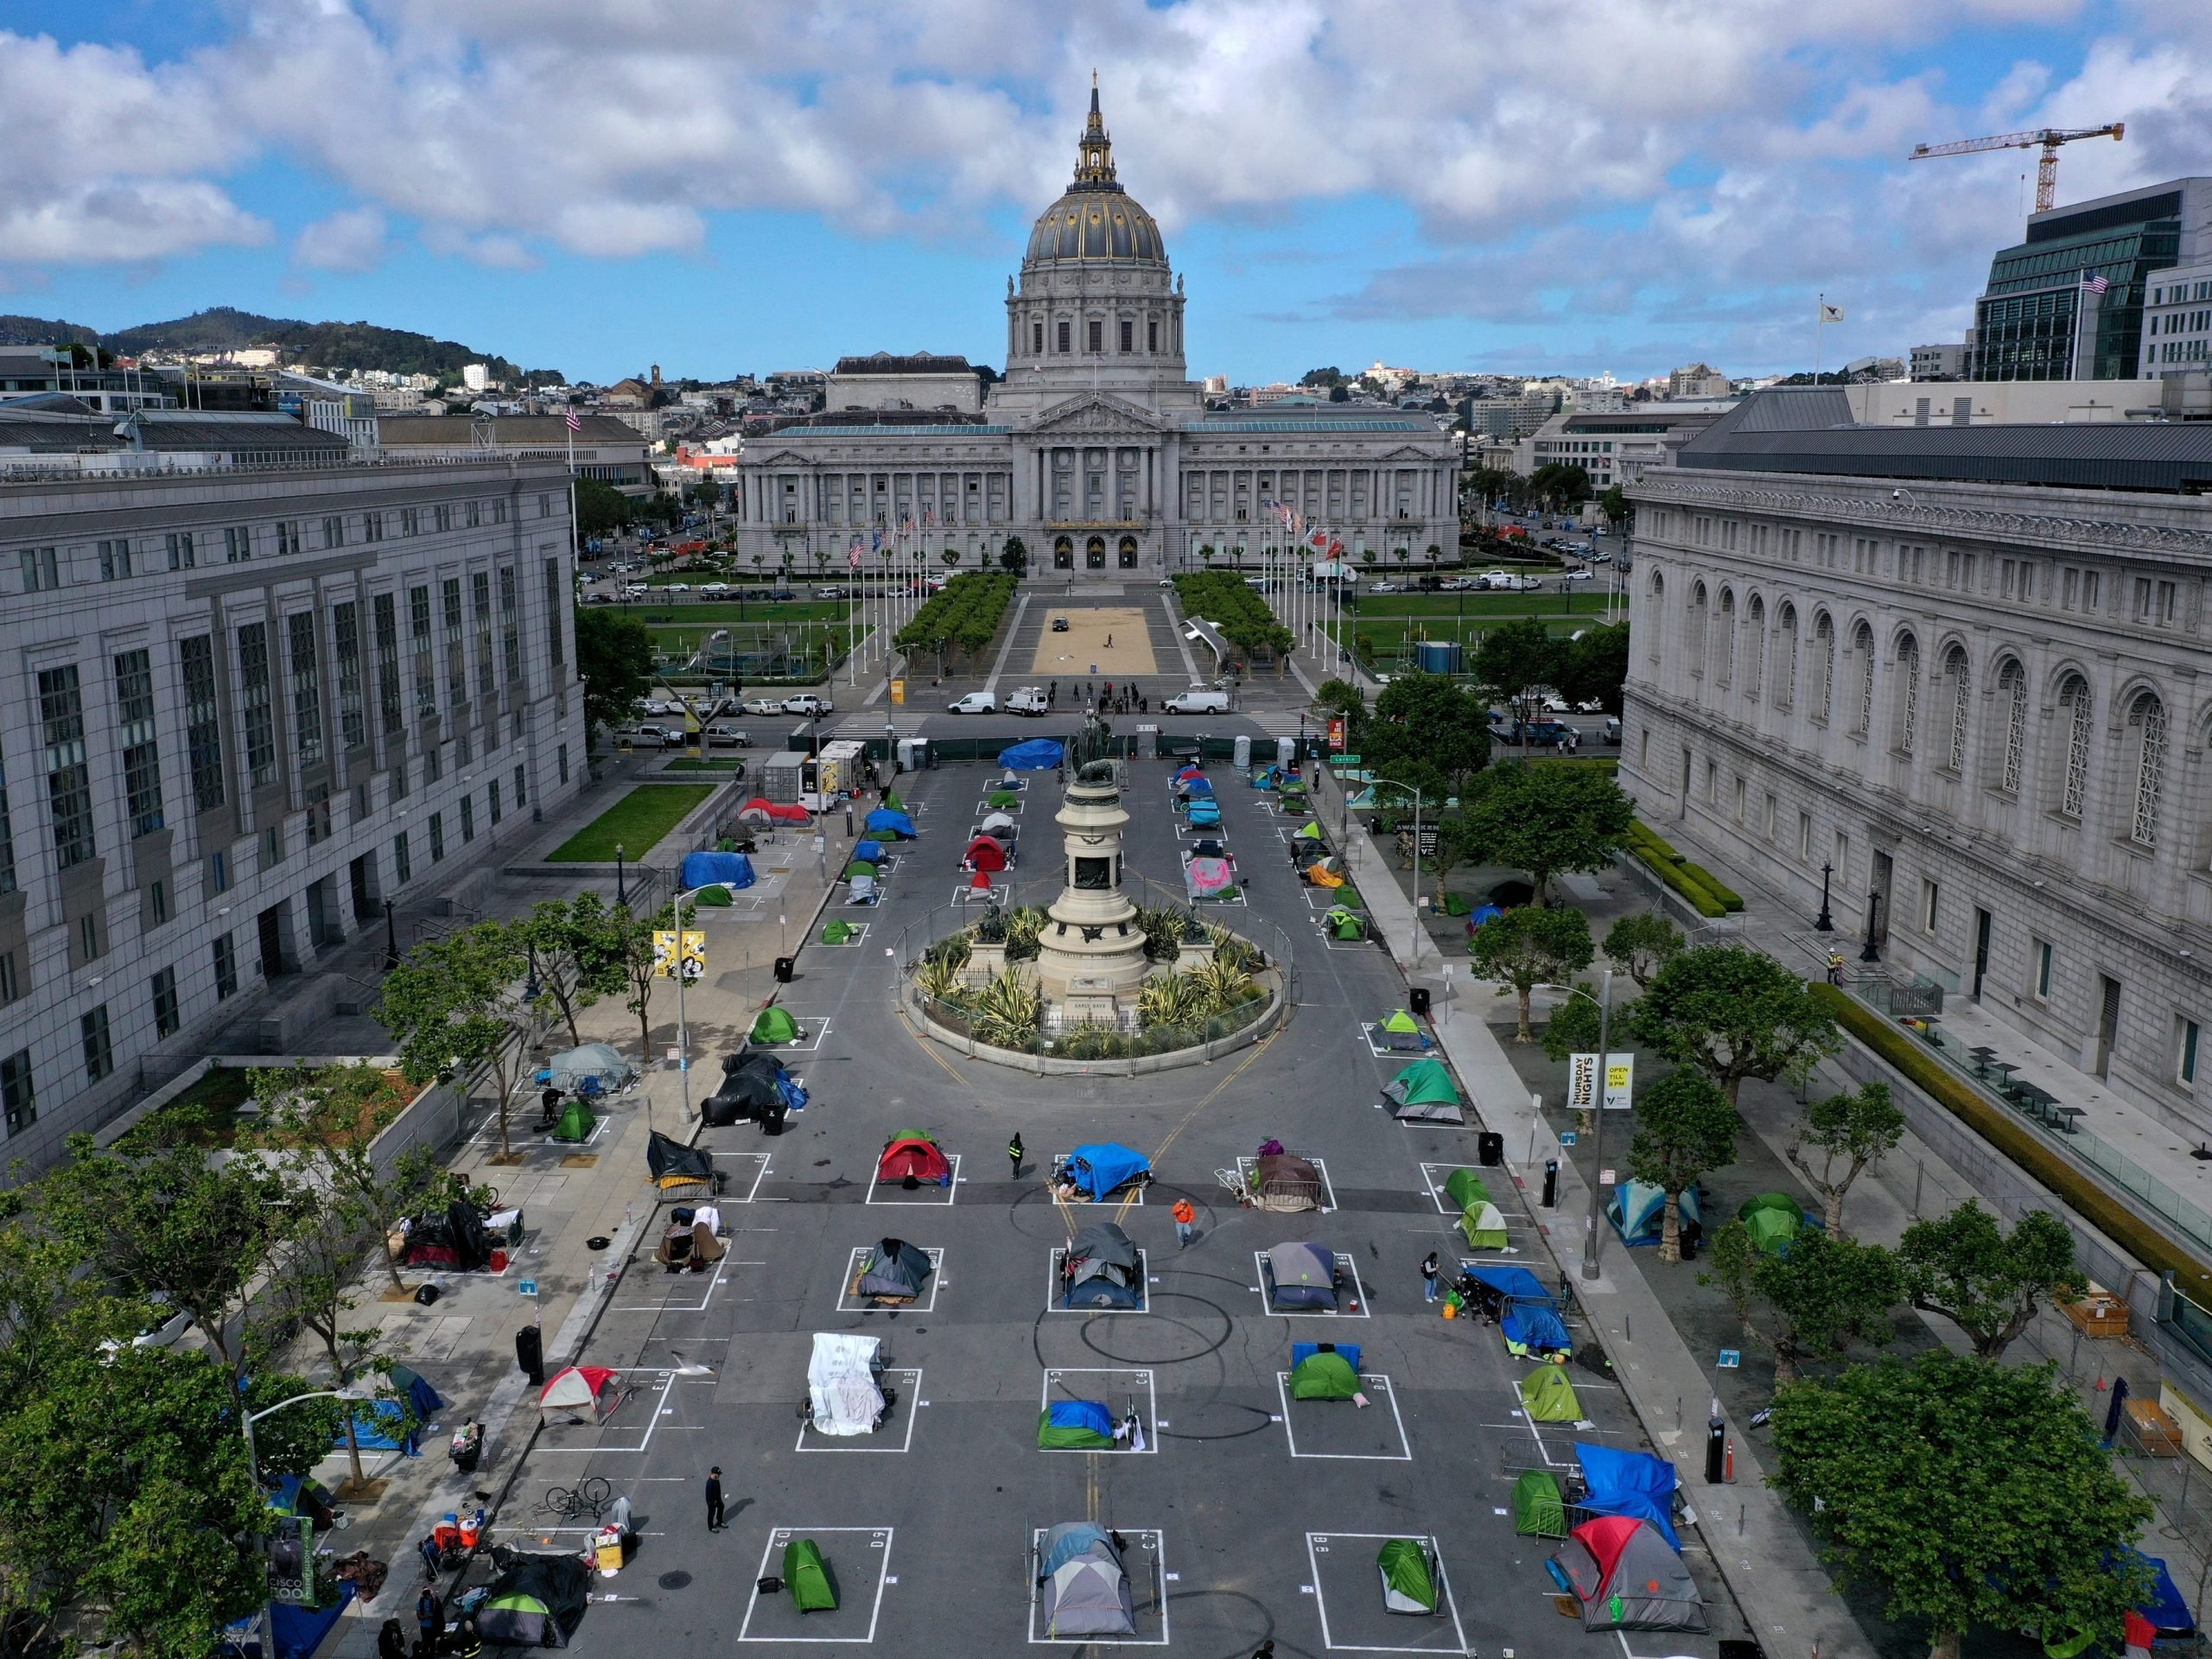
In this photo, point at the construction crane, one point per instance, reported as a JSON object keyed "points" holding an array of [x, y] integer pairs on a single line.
{"points": [[2049, 138]]}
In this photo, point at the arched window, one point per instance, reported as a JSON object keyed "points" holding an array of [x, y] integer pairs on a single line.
{"points": [[2146, 718], [1954, 669], [1727, 669], [2073, 785], [1658, 592], [1824, 645], [1696, 642], [1789, 651], [1908, 690], [2013, 692], [1862, 644], [1755, 619]]}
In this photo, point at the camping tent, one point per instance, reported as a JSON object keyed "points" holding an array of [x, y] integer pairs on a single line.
{"points": [[591, 1391], [863, 889], [1083, 1588], [1326, 872], [911, 1153], [1463, 1187], [1099, 1168], [775, 1024], [1399, 1031], [2167, 1613], [1633, 1483], [863, 867], [673, 1165], [1539, 1509], [569, 1068], [1482, 1226], [755, 1088], [997, 823], [1424, 1092], [1207, 878], [688, 1247], [1626, 1579], [761, 810], [1194, 788], [868, 852], [717, 869], [807, 1577], [1549, 1397], [1528, 1315], [1408, 1576], [533, 1601], [985, 852], [1101, 1268], [1205, 815], [836, 931], [1331, 1373], [1034, 754], [1309, 830], [577, 1121], [1344, 924], [1002, 798], [1075, 1426], [842, 1386], [1304, 1276], [893, 1272], [1535, 1328], [1639, 1212], [898, 823], [452, 1237], [1773, 1220], [1284, 1181]]}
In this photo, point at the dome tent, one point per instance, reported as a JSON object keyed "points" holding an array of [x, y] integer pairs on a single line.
{"points": [[1424, 1092], [1408, 1576], [1639, 1212], [1302, 1277], [717, 869], [1075, 1426], [1549, 1396], [577, 1121], [1399, 1030], [775, 1024], [911, 1155], [1324, 1371], [533, 1600], [894, 1271], [593, 1067], [1081, 1584], [590, 1391], [1539, 1507], [1101, 1268], [896, 823], [1483, 1227], [1463, 1187], [806, 1575], [1626, 1578], [1773, 1220], [1100, 1167], [1034, 754]]}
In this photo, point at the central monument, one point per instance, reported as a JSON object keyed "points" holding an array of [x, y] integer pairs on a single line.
{"points": [[1090, 959]]}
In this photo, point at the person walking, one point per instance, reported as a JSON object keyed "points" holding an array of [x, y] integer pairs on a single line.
{"points": [[430, 1618], [1014, 1151], [1835, 969], [1265, 1650], [1430, 1268], [1186, 1223], [715, 1498], [392, 1641]]}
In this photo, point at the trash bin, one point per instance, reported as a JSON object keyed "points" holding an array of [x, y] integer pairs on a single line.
{"points": [[783, 970], [530, 1354], [1417, 999], [1490, 1148]]}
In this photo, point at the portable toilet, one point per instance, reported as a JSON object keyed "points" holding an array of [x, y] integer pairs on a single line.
{"points": [[913, 754], [1241, 751], [1285, 751]]}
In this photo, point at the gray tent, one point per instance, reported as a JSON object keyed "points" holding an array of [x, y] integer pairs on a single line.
{"points": [[1627, 1578], [567, 1069], [1081, 1582], [894, 1271], [1102, 1269]]}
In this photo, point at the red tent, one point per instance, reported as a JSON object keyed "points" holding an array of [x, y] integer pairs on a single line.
{"points": [[913, 1153], [1627, 1578], [761, 810], [591, 1391], [981, 884], [986, 853]]}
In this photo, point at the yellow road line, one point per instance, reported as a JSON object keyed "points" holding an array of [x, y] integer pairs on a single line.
{"points": [[1191, 1117]]}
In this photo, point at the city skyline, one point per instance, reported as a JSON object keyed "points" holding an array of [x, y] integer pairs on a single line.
{"points": [[1626, 190]]}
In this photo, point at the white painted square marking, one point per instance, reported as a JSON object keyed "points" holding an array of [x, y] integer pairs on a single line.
{"points": [[877, 1540], [1246, 1164], [926, 1193], [1345, 1263], [847, 1302], [1145, 1562], [1052, 1288], [907, 1395], [1374, 1383], [1318, 1544], [1075, 1383]]}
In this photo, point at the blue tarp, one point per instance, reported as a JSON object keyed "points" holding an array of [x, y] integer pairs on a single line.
{"points": [[1302, 1351], [1102, 1166], [1204, 815], [871, 851], [382, 1426], [1515, 1284], [897, 823], [1534, 1328], [295, 1631], [1078, 1539], [1033, 754], [1639, 1212], [425, 1400], [707, 869], [1629, 1483], [1081, 1414], [2165, 1608]]}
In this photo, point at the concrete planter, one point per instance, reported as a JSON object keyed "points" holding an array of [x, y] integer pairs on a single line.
{"points": [[1135, 1066], [985, 964], [1188, 956]]}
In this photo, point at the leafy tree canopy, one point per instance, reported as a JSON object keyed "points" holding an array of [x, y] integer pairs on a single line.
{"points": [[1426, 717], [1528, 946], [1811, 1302], [1549, 820], [1516, 662], [1684, 1126], [1595, 667], [1644, 943], [453, 1006], [1838, 1138], [1735, 1012], [1965, 1267], [614, 659], [1562, 482]]}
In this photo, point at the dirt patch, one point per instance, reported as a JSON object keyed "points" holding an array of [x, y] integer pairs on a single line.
{"points": [[1110, 641]]}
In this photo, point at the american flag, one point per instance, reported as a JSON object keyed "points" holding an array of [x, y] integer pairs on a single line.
{"points": [[576, 422], [853, 555], [2096, 284]]}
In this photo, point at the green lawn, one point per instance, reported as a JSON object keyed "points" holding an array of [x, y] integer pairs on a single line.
{"points": [[703, 766], [1549, 603], [717, 613], [637, 821]]}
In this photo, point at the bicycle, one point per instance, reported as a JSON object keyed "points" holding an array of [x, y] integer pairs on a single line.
{"points": [[592, 1496]]}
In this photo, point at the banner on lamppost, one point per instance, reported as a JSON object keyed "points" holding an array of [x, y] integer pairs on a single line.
{"points": [[1582, 1082], [695, 953], [1620, 1080], [1336, 733]]}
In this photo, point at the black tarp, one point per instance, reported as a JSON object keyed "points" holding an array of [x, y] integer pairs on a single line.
{"points": [[559, 1584], [671, 1160], [454, 1238], [749, 1093], [1102, 1269]]}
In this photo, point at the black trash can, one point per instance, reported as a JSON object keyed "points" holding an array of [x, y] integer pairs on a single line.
{"points": [[530, 1354], [783, 970], [1418, 998], [1490, 1148]]}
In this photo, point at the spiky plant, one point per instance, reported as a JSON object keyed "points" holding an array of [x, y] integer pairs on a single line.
{"points": [[1222, 981], [939, 979], [1170, 1000], [1022, 927], [1007, 1011]]}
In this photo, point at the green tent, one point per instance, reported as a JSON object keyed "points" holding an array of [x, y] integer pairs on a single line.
{"points": [[1311, 830], [835, 931], [1538, 1508], [808, 1577], [1408, 1582], [1401, 1020], [1324, 1376], [1074, 1432], [1000, 799], [576, 1123], [860, 867], [714, 898], [1344, 924], [1427, 1081], [774, 1026], [1463, 1187], [1483, 1227], [892, 802], [1549, 1397], [1773, 1220]]}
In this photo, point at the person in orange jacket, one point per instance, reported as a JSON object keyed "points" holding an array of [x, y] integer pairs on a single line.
{"points": [[1186, 1222]]}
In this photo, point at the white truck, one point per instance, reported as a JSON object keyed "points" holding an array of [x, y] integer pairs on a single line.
{"points": [[839, 768], [1333, 570], [1198, 699], [1030, 699]]}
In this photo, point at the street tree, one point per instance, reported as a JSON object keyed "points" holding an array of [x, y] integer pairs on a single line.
{"points": [[1528, 946], [1572, 1027], [573, 949], [1560, 483], [1428, 718], [1457, 841], [601, 507], [1549, 820], [1967, 1494], [614, 659], [1014, 555], [1515, 664], [1341, 698], [1810, 1303], [1614, 505], [1594, 667], [1989, 1283], [1684, 1127], [1642, 943], [1735, 1012], [319, 1109], [640, 967], [1844, 1133], [454, 1005]]}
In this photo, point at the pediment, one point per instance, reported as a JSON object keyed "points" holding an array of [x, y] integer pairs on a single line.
{"points": [[1097, 411]]}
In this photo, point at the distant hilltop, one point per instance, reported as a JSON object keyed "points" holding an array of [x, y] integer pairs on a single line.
{"points": [[316, 345]]}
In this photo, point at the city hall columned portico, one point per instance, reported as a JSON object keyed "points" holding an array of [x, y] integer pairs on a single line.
{"points": [[1096, 449]]}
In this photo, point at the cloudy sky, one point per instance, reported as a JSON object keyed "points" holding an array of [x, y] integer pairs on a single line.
{"points": [[1572, 186]]}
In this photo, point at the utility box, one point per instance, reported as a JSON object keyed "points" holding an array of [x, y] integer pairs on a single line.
{"points": [[782, 777], [1437, 656]]}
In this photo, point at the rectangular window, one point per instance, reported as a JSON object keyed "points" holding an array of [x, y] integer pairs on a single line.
{"points": [[437, 836], [182, 554], [11, 983], [2041, 948], [1129, 335], [346, 634], [562, 756], [1152, 335], [410, 521], [521, 799], [512, 635], [238, 545], [41, 572], [472, 513], [92, 939], [2142, 599], [219, 872], [1097, 336], [456, 668], [142, 760], [203, 730], [403, 866], [288, 536], [480, 598], [16, 1094], [468, 818], [492, 799], [100, 1054], [166, 1017], [553, 611], [68, 778], [2185, 1034], [227, 968], [6, 840], [1037, 338], [1060, 335], [372, 526], [333, 531], [432, 768], [1805, 836], [115, 560], [499, 511], [426, 675], [442, 516], [1928, 897], [387, 629], [2089, 590], [254, 702], [2164, 611], [157, 901]]}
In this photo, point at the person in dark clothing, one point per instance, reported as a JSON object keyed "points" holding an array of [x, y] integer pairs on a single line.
{"points": [[430, 1618], [1014, 1151], [424, 1648], [1265, 1650], [468, 1641], [715, 1498], [1429, 1266], [392, 1641], [1053, 694]]}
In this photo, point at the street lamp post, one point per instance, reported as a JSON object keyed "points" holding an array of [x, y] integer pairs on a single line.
{"points": [[390, 938], [1873, 911], [1591, 1238], [263, 1633], [621, 886], [1825, 922], [1415, 793]]}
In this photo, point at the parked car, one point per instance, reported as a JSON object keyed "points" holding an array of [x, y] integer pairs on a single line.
{"points": [[677, 588], [807, 704], [1541, 733], [763, 705], [1059, 624], [974, 702], [635, 590], [713, 587], [1030, 699], [829, 593], [1198, 699], [732, 736], [1613, 730], [1578, 575], [1460, 585], [1383, 587], [599, 599], [781, 596]]}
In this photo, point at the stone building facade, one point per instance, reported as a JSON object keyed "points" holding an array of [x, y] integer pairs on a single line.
{"points": [[1982, 704]]}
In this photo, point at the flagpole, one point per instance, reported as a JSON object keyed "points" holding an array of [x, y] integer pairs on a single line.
{"points": [[1819, 321]]}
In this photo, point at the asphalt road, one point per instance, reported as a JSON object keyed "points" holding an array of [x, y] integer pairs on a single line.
{"points": [[1242, 1525]]}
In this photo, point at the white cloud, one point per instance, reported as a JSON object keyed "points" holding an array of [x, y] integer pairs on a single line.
{"points": [[351, 240]]}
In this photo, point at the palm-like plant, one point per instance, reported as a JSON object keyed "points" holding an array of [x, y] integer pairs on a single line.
{"points": [[1023, 925], [1170, 1000], [939, 979], [1007, 1011], [1222, 980]]}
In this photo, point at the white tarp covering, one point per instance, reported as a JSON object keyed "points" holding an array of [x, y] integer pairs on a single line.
{"points": [[841, 1381]]}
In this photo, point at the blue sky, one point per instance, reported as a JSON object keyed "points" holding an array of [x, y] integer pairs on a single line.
{"points": [[597, 185]]}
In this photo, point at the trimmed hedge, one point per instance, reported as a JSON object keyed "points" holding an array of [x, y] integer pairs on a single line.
{"points": [[1912, 1059], [1692, 881], [964, 613], [1226, 600]]}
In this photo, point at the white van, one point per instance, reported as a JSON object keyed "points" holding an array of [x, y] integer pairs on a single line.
{"points": [[1198, 699], [1030, 699], [977, 703]]}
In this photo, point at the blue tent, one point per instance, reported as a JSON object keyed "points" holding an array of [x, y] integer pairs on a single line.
{"points": [[1198, 786], [1516, 1285], [707, 869], [1205, 815], [1033, 754], [424, 1399], [870, 851], [1639, 1212], [1629, 1483], [897, 823], [1302, 1351], [383, 1425], [1103, 1166], [1534, 1328], [2164, 1607], [1081, 1414]]}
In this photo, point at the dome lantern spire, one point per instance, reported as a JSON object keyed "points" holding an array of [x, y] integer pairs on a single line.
{"points": [[1095, 159]]}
